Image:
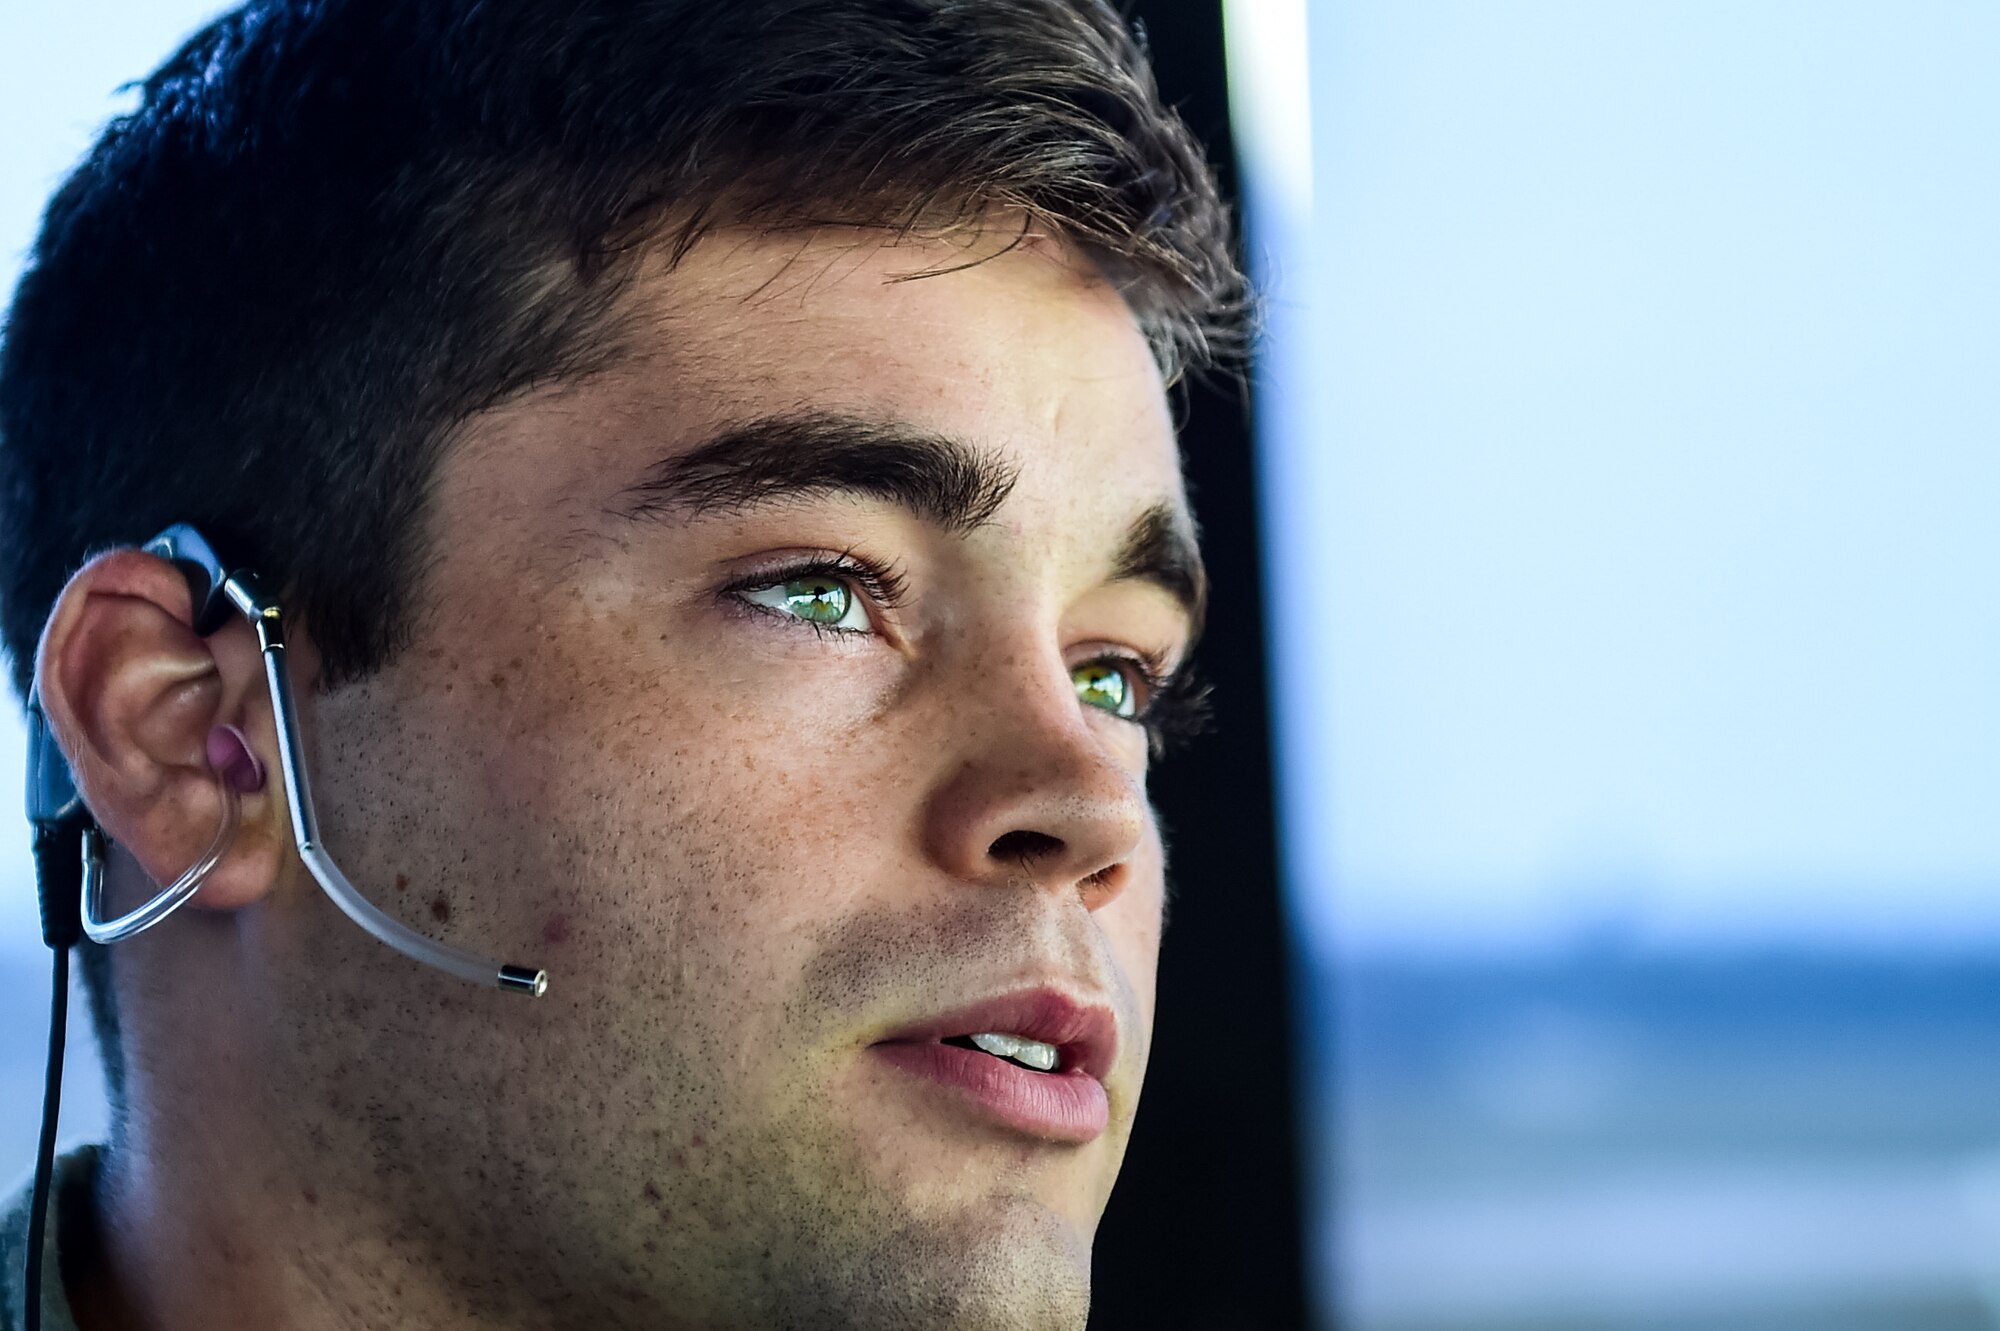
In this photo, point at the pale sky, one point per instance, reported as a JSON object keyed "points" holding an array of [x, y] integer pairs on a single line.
{"points": [[1632, 458]]}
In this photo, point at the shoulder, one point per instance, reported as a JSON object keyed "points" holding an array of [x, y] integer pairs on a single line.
{"points": [[75, 1177]]}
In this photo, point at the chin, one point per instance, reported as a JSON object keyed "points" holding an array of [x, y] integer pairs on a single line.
{"points": [[1010, 1265], [1018, 1266]]}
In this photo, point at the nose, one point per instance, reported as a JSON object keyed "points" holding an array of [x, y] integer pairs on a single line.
{"points": [[1034, 792]]}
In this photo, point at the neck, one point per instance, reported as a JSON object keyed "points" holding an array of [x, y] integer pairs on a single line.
{"points": [[280, 1166], [209, 1226], [249, 1183]]}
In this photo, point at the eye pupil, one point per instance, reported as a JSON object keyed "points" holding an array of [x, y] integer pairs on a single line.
{"points": [[1102, 686], [821, 600]]}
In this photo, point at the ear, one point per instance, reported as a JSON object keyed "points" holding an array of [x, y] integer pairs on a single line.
{"points": [[131, 693]]}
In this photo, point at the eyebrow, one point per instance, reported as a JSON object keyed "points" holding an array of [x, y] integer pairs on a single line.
{"points": [[1161, 547], [944, 481]]}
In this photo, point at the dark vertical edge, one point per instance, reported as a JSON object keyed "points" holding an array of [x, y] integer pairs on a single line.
{"points": [[1205, 1228]]}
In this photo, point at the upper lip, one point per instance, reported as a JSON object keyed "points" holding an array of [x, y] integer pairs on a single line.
{"points": [[1085, 1034]]}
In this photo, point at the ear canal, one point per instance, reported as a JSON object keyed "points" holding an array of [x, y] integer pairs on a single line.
{"points": [[230, 754]]}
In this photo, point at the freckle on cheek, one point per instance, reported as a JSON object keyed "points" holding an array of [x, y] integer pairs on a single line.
{"points": [[440, 908], [556, 929]]}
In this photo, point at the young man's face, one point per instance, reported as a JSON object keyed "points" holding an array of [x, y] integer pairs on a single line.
{"points": [[767, 689]]}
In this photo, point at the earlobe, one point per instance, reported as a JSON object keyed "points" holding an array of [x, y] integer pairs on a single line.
{"points": [[135, 698]]}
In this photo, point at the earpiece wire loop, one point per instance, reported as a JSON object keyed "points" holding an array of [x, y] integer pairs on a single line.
{"points": [[171, 897]]}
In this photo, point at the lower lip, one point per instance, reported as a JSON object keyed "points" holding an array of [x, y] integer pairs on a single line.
{"points": [[1055, 1106]]}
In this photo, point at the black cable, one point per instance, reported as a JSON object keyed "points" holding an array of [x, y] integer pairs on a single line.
{"points": [[58, 848], [45, 1158]]}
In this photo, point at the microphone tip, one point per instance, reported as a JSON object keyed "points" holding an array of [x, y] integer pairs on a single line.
{"points": [[524, 979]]}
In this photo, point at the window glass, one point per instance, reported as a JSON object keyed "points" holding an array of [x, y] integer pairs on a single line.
{"points": [[1631, 443]]}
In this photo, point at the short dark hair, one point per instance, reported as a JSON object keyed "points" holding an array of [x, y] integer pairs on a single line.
{"points": [[334, 229]]}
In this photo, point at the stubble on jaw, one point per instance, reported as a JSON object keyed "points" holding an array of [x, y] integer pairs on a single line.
{"points": [[715, 1201], [863, 1255], [848, 1247]]}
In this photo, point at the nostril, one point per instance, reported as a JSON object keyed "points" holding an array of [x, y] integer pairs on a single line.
{"points": [[1024, 847]]}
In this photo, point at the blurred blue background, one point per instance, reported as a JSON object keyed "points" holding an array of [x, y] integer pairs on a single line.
{"points": [[1629, 421], [1628, 409]]}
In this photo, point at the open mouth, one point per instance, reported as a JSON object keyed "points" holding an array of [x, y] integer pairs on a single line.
{"points": [[1019, 1050], [1034, 1062]]}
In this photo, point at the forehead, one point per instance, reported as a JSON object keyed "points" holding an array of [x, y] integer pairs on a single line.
{"points": [[1024, 351]]}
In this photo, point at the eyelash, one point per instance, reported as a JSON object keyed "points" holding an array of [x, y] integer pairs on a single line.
{"points": [[1177, 701], [1177, 704], [885, 586]]}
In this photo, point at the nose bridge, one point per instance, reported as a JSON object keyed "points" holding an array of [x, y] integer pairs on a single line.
{"points": [[1031, 788]]}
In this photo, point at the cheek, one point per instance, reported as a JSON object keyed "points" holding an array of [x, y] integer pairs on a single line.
{"points": [[1132, 925], [712, 795], [1131, 928]]}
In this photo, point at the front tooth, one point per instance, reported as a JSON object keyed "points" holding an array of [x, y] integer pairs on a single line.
{"points": [[1002, 1046], [1039, 1056]]}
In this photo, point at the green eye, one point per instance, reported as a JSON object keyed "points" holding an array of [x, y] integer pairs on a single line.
{"points": [[821, 600], [816, 598], [1105, 687]]}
